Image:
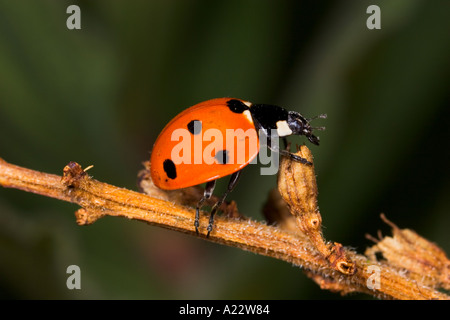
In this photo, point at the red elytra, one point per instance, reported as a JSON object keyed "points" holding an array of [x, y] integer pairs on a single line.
{"points": [[199, 152]]}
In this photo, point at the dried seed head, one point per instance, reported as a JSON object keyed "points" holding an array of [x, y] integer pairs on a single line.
{"points": [[298, 187], [297, 183], [421, 259]]}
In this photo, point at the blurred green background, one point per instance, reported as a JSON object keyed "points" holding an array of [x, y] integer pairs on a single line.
{"points": [[101, 95]]}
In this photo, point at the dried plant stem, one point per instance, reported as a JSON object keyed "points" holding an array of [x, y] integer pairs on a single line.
{"points": [[98, 199]]}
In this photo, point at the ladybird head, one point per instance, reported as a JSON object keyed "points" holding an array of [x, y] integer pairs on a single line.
{"points": [[301, 126]]}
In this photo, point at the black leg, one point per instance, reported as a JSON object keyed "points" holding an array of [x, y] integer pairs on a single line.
{"points": [[233, 181], [209, 189], [286, 153], [295, 157]]}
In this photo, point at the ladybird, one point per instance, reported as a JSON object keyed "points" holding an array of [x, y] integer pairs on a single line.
{"points": [[218, 138]]}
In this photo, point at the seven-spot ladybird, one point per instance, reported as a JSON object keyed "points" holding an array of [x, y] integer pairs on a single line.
{"points": [[217, 138]]}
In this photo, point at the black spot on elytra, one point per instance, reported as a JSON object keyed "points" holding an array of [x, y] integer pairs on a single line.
{"points": [[195, 127], [236, 106], [222, 157], [169, 168]]}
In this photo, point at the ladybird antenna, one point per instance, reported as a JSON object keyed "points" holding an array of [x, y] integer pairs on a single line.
{"points": [[320, 116]]}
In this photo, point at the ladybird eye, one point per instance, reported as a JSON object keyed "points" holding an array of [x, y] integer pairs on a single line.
{"points": [[236, 106], [170, 169], [195, 127], [222, 156]]}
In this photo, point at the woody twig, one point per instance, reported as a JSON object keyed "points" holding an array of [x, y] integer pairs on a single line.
{"points": [[332, 266]]}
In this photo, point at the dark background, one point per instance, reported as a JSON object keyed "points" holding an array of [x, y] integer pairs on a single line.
{"points": [[101, 95]]}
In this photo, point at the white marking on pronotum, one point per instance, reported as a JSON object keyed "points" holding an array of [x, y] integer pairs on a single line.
{"points": [[248, 115], [283, 128], [247, 103]]}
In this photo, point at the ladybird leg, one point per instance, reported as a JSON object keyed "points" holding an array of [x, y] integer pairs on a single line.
{"points": [[209, 189], [295, 157], [286, 153], [233, 182]]}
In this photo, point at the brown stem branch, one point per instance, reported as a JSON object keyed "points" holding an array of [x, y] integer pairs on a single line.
{"points": [[98, 199]]}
